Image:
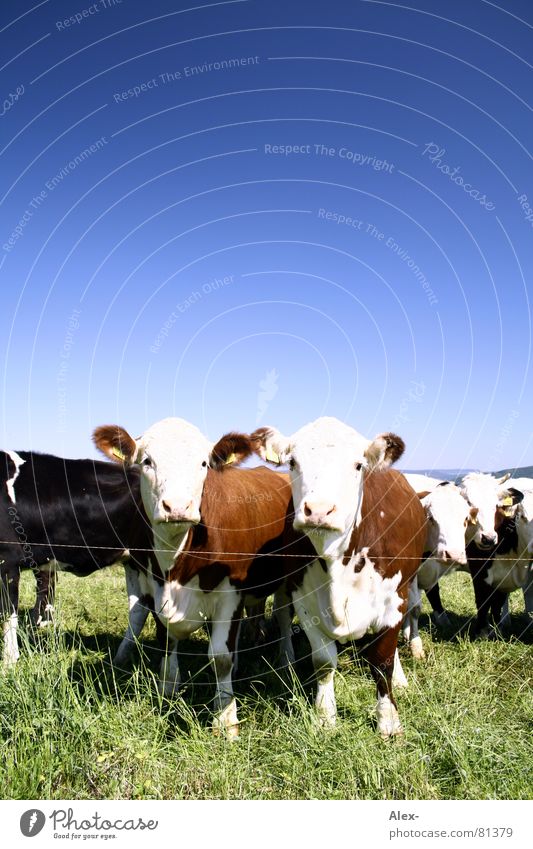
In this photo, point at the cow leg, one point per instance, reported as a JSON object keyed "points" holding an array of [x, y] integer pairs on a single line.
{"points": [[528, 596], [482, 594], [42, 613], [255, 624], [139, 608], [380, 655], [505, 618], [222, 645], [283, 613], [169, 671], [324, 657], [414, 607], [440, 617], [399, 678], [497, 602], [9, 604]]}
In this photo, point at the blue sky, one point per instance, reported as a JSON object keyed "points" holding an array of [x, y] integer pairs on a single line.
{"points": [[250, 212]]}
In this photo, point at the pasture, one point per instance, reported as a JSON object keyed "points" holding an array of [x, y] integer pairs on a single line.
{"points": [[74, 728]]}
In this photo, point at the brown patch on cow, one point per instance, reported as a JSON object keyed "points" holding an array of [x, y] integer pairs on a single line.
{"points": [[115, 443], [244, 534], [423, 494], [238, 444], [397, 543]]}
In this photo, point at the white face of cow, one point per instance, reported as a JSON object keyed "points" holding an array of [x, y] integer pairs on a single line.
{"points": [[327, 460], [448, 513], [484, 493], [174, 457]]}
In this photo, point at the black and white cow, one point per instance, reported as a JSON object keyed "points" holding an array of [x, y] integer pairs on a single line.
{"points": [[72, 515], [507, 567]]}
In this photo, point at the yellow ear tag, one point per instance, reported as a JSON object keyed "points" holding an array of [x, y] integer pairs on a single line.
{"points": [[118, 453], [507, 502], [272, 457], [231, 459]]}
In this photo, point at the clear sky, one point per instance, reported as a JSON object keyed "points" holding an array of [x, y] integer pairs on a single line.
{"points": [[259, 212]]}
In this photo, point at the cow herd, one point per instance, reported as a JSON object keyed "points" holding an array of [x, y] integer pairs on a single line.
{"points": [[342, 540]]}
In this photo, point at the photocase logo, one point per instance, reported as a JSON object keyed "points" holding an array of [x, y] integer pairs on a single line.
{"points": [[32, 822]]}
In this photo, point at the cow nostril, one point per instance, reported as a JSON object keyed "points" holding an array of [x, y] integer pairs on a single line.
{"points": [[332, 510], [307, 509], [166, 507]]}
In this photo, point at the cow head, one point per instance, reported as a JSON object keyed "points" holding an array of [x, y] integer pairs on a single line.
{"points": [[327, 461], [485, 494], [447, 513], [173, 457], [524, 524]]}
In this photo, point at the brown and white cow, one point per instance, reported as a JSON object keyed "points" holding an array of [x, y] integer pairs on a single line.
{"points": [[217, 535], [368, 529], [448, 514]]}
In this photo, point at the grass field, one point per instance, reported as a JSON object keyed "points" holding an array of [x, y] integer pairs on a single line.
{"points": [[72, 728]]}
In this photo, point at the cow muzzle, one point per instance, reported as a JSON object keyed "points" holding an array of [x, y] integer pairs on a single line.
{"points": [[447, 556], [486, 541], [176, 513], [318, 515]]}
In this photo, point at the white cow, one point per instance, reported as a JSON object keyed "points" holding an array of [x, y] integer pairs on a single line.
{"points": [[447, 514], [367, 528], [484, 493]]}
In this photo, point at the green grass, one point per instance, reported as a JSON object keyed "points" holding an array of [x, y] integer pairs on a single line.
{"points": [[73, 728]]}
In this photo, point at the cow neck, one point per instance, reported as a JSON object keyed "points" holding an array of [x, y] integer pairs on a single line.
{"points": [[338, 553], [168, 548]]}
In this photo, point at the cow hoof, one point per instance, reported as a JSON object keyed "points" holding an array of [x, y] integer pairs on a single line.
{"points": [[327, 720], [417, 649], [168, 689], [396, 733], [487, 633], [441, 620], [388, 721], [286, 660], [230, 732]]}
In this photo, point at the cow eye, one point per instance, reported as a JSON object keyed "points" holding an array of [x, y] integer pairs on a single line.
{"points": [[147, 461], [292, 464], [204, 464], [358, 467]]}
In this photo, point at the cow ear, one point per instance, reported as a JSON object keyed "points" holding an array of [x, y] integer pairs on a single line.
{"points": [[230, 448], [384, 450], [115, 443], [271, 445], [509, 497], [423, 494]]}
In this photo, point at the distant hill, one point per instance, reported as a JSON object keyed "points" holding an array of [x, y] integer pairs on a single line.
{"points": [[520, 472], [456, 474]]}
